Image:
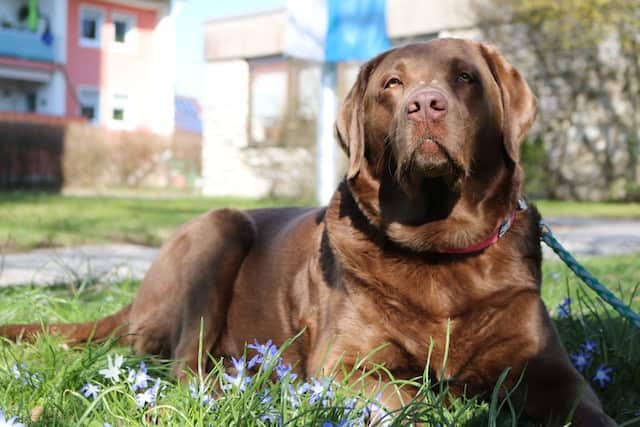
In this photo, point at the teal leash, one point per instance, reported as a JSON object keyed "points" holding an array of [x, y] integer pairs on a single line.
{"points": [[547, 236]]}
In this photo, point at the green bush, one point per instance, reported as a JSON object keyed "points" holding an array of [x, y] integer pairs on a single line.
{"points": [[537, 180]]}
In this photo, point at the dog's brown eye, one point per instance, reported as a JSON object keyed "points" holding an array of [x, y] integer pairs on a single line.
{"points": [[393, 81], [465, 78]]}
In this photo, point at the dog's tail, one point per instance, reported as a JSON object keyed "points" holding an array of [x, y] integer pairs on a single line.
{"points": [[97, 330]]}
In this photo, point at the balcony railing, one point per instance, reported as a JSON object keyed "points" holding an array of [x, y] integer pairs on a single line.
{"points": [[25, 45]]}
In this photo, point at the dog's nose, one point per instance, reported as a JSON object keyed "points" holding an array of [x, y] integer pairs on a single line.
{"points": [[427, 104]]}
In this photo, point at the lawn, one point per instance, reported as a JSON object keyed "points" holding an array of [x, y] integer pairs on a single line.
{"points": [[29, 221], [45, 383], [612, 210]]}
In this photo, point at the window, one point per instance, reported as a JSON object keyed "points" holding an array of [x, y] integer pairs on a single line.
{"points": [[90, 26], [88, 111], [120, 111], [89, 99], [268, 103], [32, 99], [120, 30], [124, 29]]}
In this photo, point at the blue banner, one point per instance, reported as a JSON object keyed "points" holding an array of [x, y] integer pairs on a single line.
{"points": [[357, 30]]}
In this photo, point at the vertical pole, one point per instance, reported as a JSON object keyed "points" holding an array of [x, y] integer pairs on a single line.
{"points": [[326, 147]]}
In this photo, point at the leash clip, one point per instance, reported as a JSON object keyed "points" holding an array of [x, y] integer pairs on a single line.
{"points": [[544, 227]]}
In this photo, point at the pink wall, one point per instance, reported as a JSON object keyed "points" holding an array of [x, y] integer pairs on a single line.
{"points": [[109, 67]]}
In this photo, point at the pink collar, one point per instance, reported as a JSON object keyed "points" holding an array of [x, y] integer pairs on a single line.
{"points": [[500, 231]]}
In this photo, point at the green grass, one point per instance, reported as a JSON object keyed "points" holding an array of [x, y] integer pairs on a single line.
{"points": [[30, 221], [53, 373], [557, 208]]}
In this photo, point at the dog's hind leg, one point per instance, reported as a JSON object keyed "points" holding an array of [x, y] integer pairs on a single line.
{"points": [[181, 308]]}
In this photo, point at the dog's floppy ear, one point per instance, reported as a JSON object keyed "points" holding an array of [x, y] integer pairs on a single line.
{"points": [[519, 105], [349, 126]]}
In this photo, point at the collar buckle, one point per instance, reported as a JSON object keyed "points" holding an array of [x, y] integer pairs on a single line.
{"points": [[522, 204]]}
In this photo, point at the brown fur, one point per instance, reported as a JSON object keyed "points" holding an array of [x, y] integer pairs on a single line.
{"points": [[369, 269]]}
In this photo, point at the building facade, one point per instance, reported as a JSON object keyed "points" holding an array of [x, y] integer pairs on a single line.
{"points": [[260, 105], [109, 61]]}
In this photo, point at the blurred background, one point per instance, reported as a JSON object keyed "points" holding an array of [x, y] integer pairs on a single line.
{"points": [[185, 95]]}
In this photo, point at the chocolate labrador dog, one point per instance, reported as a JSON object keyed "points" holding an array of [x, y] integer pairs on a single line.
{"points": [[426, 239]]}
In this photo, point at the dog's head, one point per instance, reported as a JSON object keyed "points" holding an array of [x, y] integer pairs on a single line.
{"points": [[449, 113]]}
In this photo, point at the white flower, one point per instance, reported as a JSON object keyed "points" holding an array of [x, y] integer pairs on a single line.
{"points": [[113, 368], [131, 377], [15, 371], [145, 397], [149, 396], [11, 422], [200, 393]]}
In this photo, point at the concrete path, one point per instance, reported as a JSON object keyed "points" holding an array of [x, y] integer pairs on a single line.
{"points": [[120, 261], [61, 265], [597, 236]]}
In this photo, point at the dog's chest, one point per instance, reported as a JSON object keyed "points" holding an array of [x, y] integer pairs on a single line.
{"points": [[458, 318]]}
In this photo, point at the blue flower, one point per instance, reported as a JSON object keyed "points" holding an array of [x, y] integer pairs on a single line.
{"points": [[291, 395], [564, 309], [266, 353], [581, 360], [149, 396], [90, 390], [21, 373], [261, 348], [139, 380], [11, 422], [265, 398], [241, 379], [350, 412], [319, 390], [349, 404], [271, 418], [589, 346], [602, 375], [376, 414], [283, 371], [201, 393]]}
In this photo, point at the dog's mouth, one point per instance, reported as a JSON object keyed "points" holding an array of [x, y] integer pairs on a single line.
{"points": [[432, 158], [422, 151], [425, 156], [433, 150]]}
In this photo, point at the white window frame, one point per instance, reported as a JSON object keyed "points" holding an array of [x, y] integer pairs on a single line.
{"points": [[131, 37], [121, 99], [85, 42], [82, 90]]}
